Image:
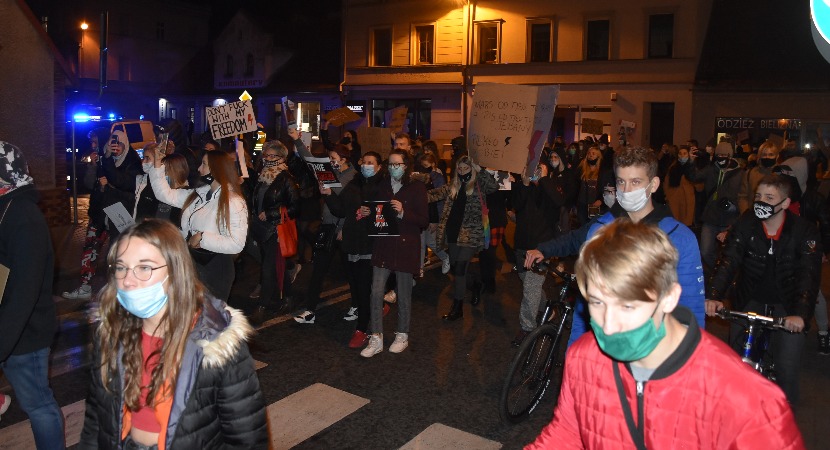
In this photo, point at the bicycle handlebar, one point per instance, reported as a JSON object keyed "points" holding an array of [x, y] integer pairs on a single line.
{"points": [[765, 321]]}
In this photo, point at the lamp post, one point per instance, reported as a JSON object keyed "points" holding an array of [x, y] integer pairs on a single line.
{"points": [[84, 27]]}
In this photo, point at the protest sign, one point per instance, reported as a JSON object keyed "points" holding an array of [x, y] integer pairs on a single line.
{"points": [[323, 171], [509, 124], [396, 119], [119, 216], [231, 119], [591, 126], [341, 116], [289, 113], [383, 220], [502, 178], [374, 139]]}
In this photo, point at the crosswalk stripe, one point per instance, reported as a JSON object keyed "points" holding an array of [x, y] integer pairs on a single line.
{"points": [[307, 412], [19, 436], [439, 436]]}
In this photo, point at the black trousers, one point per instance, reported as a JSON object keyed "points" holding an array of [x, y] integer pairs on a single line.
{"points": [[218, 275], [322, 263], [360, 285]]}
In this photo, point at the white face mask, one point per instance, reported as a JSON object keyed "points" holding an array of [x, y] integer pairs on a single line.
{"points": [[146, 167], [609, 198], [633, 201]]}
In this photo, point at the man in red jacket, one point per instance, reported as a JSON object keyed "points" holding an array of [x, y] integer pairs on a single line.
{"points": [[649, 377]]}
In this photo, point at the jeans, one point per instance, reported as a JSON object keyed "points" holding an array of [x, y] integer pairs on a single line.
{"points": [[785, 347], [404, 279], [709, 244], [29, 376], [532, 294], [429, 239]]}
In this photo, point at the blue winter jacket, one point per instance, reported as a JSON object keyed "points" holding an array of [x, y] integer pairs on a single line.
{"points": [[689, 268]]}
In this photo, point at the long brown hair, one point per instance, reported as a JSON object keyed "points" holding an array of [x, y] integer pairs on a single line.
{"points": [[456, 182], [176, 168], [120, 330], [224, 172]]}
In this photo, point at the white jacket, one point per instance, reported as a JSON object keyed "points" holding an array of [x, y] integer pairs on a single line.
{"points": [[201, 215]]}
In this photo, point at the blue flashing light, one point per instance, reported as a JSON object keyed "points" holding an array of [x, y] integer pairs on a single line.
{"points": [[141, 117], [81, 117], [111, 116]]}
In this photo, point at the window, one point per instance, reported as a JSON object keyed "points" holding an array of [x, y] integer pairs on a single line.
{"points": [[229, 66], [381, 47], [597, 39], [424, 44], [418, 115], [160, 31], [660, 35], [539, 41], [249, 65], [487, 42]]}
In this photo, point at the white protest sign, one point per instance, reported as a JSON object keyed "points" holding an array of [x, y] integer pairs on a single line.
{"points": [[509, 124], [119, 216], [323, 171], [231, 119]]}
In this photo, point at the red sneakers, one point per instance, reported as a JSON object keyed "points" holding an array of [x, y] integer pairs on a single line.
{"points": [[359, 339]]}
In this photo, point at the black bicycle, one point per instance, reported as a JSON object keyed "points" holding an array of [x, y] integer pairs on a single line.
{"points": [[540, 353], [756, 338]]}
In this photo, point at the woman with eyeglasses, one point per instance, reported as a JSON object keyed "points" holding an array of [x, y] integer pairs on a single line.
{"points": [[275, 190], [171, 368], [461, 228], [214, 218]]}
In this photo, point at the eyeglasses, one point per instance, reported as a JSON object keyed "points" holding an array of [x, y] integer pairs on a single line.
{"points": [[142, 272], [396, 165]]}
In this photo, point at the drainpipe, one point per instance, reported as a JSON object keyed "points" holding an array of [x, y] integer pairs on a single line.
{"points": [[465, 68]]}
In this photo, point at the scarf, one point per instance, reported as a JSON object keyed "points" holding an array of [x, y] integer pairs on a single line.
{"points": [[269, 174], [14, 172]]}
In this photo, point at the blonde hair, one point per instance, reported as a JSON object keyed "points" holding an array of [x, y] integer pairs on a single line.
{"points": [[456, 183], [590, 172], [632, 261], [121, 330]]}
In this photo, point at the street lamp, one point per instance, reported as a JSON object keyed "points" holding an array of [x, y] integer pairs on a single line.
{"points": [[84, 27]]}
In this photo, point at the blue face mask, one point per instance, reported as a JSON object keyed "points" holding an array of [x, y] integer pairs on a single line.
{"points": [[367, 170], [145, 302], [396, 172]]}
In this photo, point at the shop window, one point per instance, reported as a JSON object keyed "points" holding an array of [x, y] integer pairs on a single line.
{"points": [[660, 35], [424, 40], [597, 39], [381, 47], [487, 42], [418, 116]]}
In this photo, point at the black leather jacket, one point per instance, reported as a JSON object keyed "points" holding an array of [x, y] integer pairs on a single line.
{"points": [[281, 192], [797, 262]]}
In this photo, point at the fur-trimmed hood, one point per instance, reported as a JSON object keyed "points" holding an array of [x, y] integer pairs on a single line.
{"points": [[219, 331]]}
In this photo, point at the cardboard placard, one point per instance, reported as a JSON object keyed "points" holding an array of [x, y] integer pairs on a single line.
{"points": [[231, 119], [502, 178], [119, 216], [509, 124], [383, 220], [289, 113], [374, 139], [240, 157], [323, 171], [396, 119], [592, 126], [341, 116]]}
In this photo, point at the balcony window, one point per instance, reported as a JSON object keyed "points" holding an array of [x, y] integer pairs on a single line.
{"points": [[424, 44], [660, 35], [539, 41], [597, 39], [381, 47], [488, 36]]}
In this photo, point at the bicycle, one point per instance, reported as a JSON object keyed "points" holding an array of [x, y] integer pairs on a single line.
{"points": [[530, 370], [755, 341]]}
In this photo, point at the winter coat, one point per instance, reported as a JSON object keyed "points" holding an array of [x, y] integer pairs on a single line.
{"points": [[533, 205], [343, 177], [471, 233], [721, 187], [797, 262], [27, 312], [120, 186], [703, 397], [356, 239], [201, 214], [681, 199], [689, 267], [217, 403], [147, 206], [402, 253], [282, 192]]}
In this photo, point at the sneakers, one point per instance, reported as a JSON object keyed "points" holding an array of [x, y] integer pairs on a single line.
{"points": [[292, 274], [400, 344], [824, 343], [375, 346], [359, 339], [445, 266], [351, 315], [82, 293], [305, 317], [5, 401], [390, 297], [255, 293]]}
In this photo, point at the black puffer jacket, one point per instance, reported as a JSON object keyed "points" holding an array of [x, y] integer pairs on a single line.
{"points": [[217, 403], [282, 192], [356, 240], [797, 263]]}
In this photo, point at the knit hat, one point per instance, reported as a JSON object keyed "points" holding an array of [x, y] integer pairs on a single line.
{"points": [[724, 147], [14, 172]]}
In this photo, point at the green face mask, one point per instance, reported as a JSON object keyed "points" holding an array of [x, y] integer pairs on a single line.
{"points": [[630, 345]]}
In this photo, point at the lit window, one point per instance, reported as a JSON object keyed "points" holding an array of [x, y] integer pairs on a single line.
{"points": [[539, 41], [424, 44], [660, 35], [597, 39], [381, 47], [487, 42]]}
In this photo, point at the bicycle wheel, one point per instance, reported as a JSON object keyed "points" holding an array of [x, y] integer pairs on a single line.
{"points": [[529, 374]]}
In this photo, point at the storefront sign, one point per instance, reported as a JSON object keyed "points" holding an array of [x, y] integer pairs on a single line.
{"points": [[755, 129]]}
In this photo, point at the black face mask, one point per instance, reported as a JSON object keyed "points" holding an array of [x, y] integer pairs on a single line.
{"points": [[766, 162], [592, 162], [721, 160], [207, 179], [465, 178], [346, 141]]}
